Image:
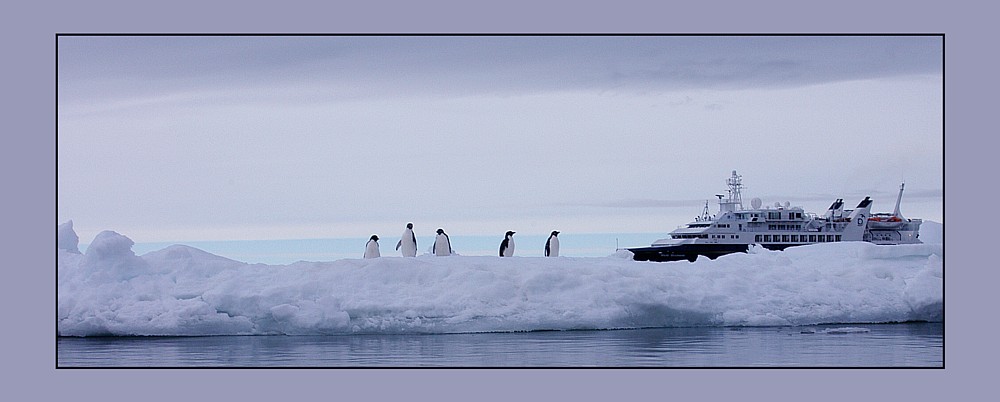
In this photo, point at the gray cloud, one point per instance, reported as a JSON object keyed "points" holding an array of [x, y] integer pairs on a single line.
{"points": [[350, 66]]}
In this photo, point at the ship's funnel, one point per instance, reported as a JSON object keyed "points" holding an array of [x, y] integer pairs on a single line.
{"points": [[858, 221], [836, 209]]}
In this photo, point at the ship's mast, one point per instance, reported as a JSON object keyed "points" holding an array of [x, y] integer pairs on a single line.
{"points": [[735, 200], [735, 183], [895, 212], [705, 216]]}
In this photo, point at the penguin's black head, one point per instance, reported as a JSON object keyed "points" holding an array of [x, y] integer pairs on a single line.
{"points": [[510, 233], [375, 237], [440, 231], [409, 225], [555, 233]]}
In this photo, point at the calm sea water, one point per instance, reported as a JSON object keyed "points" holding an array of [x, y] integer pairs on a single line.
{"points": [[859, 345]]}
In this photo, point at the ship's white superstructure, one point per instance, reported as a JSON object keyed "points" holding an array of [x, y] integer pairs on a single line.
{"points": [[734, 228]]}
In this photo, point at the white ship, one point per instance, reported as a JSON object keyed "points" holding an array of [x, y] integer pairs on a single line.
{"points": [[733, 229]]}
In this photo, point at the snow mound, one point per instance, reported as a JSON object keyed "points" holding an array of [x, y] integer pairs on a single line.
{"points": [[932, 232], [66, 238], [185, 291]]}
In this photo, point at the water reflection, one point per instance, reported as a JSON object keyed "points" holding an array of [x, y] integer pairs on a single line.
{"points": [[888, 345]]}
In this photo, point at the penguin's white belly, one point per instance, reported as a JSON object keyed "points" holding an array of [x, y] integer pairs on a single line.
{"points": [[372, 250], [407, 246], [509, 251], [554, 247]]}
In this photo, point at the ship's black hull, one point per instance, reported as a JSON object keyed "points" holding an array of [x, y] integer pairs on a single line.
{"points": [[691, 252]]}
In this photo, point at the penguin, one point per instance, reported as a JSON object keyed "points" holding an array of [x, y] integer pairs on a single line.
{"points": [[552, 245], [408, 242], [371, 249], [507, 245], [442, 244]]}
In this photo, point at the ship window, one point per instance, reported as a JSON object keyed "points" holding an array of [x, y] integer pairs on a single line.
{"points": [[767, 238], [829, 238], [757, 238], [822, 238], [838, 237], [812, 238], [795, 238], [784, 238]]}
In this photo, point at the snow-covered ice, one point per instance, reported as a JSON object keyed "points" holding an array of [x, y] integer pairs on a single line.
{"points": [[181, 290], [66, 238]]}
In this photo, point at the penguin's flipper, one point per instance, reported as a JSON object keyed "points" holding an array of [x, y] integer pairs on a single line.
{"points": [[399, 243]]}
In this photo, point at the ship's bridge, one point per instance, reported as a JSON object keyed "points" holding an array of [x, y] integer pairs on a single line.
{"points": [[767, 214]]}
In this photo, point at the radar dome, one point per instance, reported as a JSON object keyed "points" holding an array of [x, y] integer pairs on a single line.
{"points": [[777, 204], [787, 204], [755, 203]]}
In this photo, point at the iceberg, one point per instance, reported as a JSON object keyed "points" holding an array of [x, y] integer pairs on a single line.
{"points": [[184, 291]]}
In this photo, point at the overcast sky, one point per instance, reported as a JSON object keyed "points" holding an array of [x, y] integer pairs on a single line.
{"points": [[214, 138]]}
